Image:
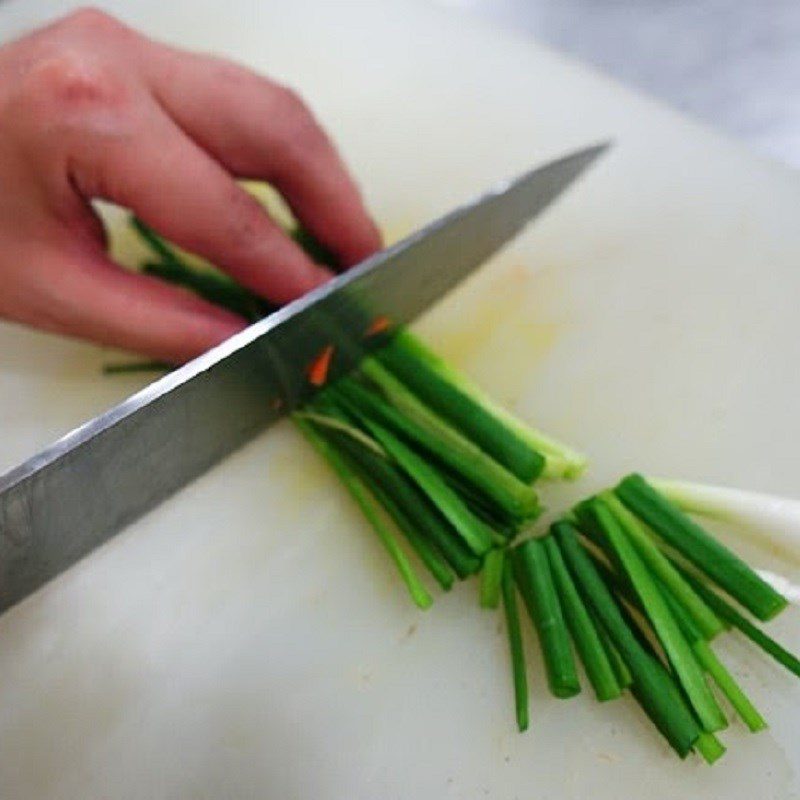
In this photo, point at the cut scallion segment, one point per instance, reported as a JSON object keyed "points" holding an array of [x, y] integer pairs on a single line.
{"points": [[491, 577], [775, 518], [709, 747], [709, 661], [675, 646], [727, 684], [727, 612], [428, 432], [535, 581], [706, 620], [404, 493], [365, 501], [652, 684], [515, 645], [475, 533], [700, 548], [587, 639], [437, 386], [621, 671], [561, 461]]}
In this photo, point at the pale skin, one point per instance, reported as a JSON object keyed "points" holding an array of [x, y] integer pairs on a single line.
{"points": [[91, 109]]}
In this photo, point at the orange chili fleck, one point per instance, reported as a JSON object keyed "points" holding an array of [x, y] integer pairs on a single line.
{"points": [[378, 325], [318, 368]]}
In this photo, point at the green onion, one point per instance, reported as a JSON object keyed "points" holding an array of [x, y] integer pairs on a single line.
{"points": [[475, 533], [709, 747], [419, 594], [515, 646], [674, 643], [660, 566], [621, 671], [727, 612], [561, 461], [535, 581], [587, 639], [777, 519], [434, 384], [431, 433], [155, 242], [699, 547], [491, 576], [709, 661], [652, 685], [728, 686], [136, 366], [211, 286], [413, 504]]}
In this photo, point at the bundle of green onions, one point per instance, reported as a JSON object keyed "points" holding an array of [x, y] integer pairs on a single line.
{"points": [[626, 580], [633, 583]]}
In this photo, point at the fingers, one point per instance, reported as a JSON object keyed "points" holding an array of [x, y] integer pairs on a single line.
{"points": [[175, 187], [76, 291], [260, 130]]}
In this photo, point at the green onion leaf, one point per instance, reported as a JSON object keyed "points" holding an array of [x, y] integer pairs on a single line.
{"points": [[652, 684], [535, 582], [491, 576], [584, 632], [515, 645], [370, 509], [699, 547], [674, 643], [660, 566], [432, 381]]}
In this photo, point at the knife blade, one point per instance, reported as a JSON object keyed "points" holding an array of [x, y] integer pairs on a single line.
{"points": [[87, 486]]}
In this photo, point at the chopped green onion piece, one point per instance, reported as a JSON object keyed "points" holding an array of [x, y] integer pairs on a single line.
{"points": [[515, 645], [535, 581], [584, 632], [413, 504], [709, 661], [341, 425], [429, 432], [703, 550], [491, 577], [660, 566], [727, 612], [435, 384], [652, 684], [561, 461], [709, 747], [475, 533], [729, 687], [664, 624], [776, 519], [621, 671], [419, 594]]}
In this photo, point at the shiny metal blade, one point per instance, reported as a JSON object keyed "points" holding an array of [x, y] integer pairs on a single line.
{"points": [[77, 493]]}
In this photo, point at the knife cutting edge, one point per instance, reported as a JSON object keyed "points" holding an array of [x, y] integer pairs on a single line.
{"points": [[74, 495]]}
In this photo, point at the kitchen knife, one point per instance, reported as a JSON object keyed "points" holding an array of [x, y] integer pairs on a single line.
{"points": [[86, 487]]}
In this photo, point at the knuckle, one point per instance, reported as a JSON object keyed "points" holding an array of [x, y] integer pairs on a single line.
{"points": [[71, 80], [301, 131], [247, 221]]}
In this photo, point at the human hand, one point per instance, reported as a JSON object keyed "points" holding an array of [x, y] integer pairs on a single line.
{"points": [[91, 109]]}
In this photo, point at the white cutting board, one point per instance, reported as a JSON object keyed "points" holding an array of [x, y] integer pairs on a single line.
{"points": [[248, 639]]}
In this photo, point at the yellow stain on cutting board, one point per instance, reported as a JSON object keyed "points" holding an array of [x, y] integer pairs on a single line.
{"points": [[500, 324], [496, 329]]}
